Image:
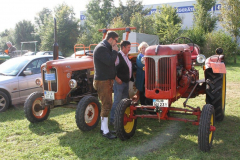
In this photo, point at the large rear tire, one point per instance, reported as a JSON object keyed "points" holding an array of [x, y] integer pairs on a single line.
{"points": [[206, 128], [88, 113], [216, 92], [33, 108], [125, 129], [4, 102]]}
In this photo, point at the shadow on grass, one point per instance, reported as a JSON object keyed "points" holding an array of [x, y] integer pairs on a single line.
{"points": [[45, 128], [151, 140], [17, 113]]}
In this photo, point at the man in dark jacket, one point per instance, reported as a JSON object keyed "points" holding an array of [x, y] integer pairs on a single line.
{"points": [[124, 74], [104, 57]]}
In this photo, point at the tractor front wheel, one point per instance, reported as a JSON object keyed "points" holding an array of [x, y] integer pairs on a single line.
{"points": [[125, 126], [88, 113], [216, 92], [33, 108], [206, 128]]}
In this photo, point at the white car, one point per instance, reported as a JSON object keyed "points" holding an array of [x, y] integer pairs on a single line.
{"points": [[17, 79]]}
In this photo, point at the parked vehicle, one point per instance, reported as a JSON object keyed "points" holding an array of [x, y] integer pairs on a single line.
{"points": [[65, 81], [29, 53], [170, 75], [17, 79], [3, 57]]}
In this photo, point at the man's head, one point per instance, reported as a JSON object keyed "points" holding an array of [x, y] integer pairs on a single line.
{"points": [[125, 47], [112, 38], [9, 44]]}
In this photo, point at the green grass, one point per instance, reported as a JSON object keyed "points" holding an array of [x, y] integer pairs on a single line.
{"points": [[59, 138]]}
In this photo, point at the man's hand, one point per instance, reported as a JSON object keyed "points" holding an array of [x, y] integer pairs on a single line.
{"points": [[115, 47], [119, 81]]}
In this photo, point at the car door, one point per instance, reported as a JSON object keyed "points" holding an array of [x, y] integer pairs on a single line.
{"points": [[27, 83]]}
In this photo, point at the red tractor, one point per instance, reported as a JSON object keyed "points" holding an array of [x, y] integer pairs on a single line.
{"points": [[170, 75]]}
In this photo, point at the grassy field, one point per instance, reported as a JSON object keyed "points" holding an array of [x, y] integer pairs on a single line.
{"points": [[59, 138]]}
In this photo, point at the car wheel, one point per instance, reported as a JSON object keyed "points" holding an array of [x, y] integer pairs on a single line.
{"points": [[4, 102]]}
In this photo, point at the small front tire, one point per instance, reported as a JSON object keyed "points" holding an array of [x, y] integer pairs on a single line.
{"points": [[206, 128], [125, 127], [88, 113], [33, 109]]}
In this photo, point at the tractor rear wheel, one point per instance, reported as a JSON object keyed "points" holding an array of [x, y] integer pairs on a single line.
{"points": [[216, 92], [88, 113], [33, 109], [206, 128], [125, 127]]}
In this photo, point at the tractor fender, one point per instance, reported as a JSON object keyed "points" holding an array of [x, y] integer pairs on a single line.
{"points": [[216, 62]]}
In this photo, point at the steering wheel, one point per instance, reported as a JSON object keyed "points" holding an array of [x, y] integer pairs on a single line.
{"points": [[185, 38], [89, 53]]}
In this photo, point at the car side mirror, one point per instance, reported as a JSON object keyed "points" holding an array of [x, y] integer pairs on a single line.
{"points": [[27, 72]]}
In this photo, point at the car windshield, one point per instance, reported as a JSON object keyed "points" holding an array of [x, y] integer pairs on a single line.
{"points": [[13, 66]]}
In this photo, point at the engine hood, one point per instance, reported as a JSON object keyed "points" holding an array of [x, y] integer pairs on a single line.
{"points": [[172, 49]]}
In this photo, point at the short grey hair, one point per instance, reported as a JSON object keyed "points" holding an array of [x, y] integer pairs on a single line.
{"points": [[143, 44], [9, 43]]}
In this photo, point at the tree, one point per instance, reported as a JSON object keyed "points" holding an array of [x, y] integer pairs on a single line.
{"points": [[143, 23], [167, 24], [41, 16], [202, 17], [230, 19], [126, 12], [98, 16], [67, 30], [24, 32]]}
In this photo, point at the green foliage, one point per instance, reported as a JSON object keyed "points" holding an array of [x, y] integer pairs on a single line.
{"points": [[102, 14], [196, 34], [5, 36], [143, 23], [219, 39], [41, 16], [67, 30], [230, 19], [98, 16], [167, 24], [131, 7], [24, 32], [202, 17]]}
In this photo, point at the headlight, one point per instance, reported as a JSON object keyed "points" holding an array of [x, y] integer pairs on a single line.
{"points": [[38, 81], [72, 83], [143, 60], [201, 58]]}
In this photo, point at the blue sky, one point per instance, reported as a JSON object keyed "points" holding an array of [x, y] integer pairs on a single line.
{"points": [[13, 11]]}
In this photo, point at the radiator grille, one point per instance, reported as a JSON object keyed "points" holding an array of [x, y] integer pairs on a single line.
{"points": [[53, 83], [163, 79], [150, 74], [164, 74]]}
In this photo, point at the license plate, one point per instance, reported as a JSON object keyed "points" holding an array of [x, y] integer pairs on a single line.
{"points": [[49, 95], [160, 102]]}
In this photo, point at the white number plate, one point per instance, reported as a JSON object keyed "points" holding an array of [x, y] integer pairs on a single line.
{"points": [[160, 102], [49, 95]]}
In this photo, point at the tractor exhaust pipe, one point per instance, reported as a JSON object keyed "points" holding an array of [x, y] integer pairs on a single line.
{"points": [[55, 45]]}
